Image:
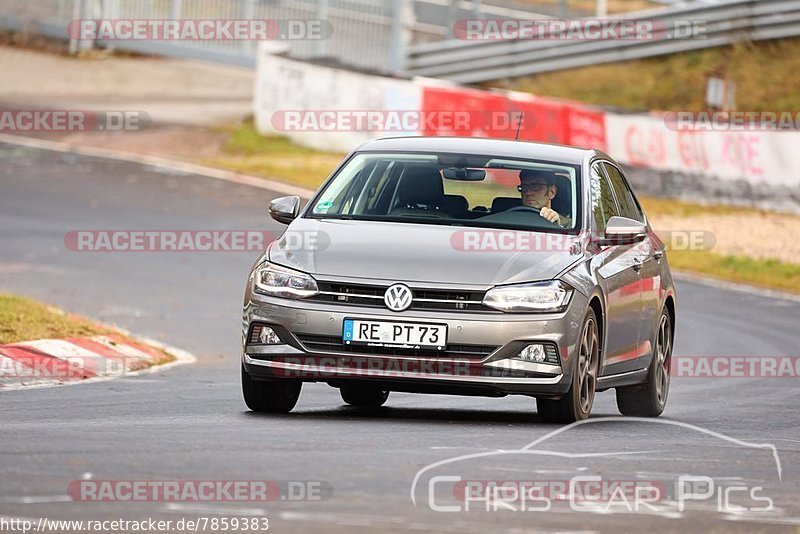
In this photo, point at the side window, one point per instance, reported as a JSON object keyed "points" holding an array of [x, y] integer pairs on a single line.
{"points": [[627, 203], [603, 205]]}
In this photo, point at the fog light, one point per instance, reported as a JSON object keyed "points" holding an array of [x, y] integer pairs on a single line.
{"points": [[540, 353], [267, 336], [532, 353]]}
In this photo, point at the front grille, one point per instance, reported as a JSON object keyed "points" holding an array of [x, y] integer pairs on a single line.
{"points": [[316, 343], [424, 299]]}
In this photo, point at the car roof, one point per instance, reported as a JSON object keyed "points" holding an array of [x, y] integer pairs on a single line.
{"points": [[483, 146]]}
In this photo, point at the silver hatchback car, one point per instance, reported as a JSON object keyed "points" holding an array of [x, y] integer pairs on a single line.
{"points": [[463, 266]]}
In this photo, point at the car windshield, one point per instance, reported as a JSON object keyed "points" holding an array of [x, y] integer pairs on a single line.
{"points": [[453, 189]]}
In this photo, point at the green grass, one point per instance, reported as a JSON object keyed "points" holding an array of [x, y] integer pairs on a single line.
{"points": [[771, 274], [274, 157], [23, 319], [766, 73], [654, 207]]}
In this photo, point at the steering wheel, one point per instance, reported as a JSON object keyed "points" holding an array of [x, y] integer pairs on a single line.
{"points": [[537, 211], [531, 209]]}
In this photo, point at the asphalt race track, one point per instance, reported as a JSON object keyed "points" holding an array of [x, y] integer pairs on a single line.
{"points": [[190, 423]]}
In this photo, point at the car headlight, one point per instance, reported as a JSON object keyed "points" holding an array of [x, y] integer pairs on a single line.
{"points": [[552, 296], [278, 281]]}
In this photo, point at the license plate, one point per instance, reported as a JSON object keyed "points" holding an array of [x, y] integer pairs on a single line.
{"points": [[394, 334]]}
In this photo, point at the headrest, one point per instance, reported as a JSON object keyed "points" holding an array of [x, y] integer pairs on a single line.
{"points": [[505, 203], [420, 184]]}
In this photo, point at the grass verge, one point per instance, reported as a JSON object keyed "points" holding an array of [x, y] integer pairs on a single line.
{"points": [[769, 274], [764, 73], [23, 319], [274, 157]]}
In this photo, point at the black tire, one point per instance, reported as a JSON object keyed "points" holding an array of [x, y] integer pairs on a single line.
{"points": [[650, 398], [278, 396], [364, 397], [577, 403]]}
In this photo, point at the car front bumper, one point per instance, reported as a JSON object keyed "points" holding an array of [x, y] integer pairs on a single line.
{"points": [[497, 373]]}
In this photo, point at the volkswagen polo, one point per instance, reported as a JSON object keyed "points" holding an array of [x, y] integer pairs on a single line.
{"points": [[463, 266]]}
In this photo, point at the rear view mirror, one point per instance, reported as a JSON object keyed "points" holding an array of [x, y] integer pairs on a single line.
{"points": [[284, 209], [463, 174], [624, 231]]}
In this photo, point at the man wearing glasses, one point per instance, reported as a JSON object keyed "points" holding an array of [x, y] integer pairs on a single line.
{"points": [[538, 191]]}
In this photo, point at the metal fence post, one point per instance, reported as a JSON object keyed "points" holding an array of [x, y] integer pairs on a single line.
{"points": [[321, 45], [477, 7], [248, 9], [452, 17], [62, 10], [176, 9], [109, 12], [400, 36], [79, 8]]}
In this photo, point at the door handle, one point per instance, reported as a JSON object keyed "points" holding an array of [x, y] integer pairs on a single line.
{"points": [[658, 254], [637, 264]]}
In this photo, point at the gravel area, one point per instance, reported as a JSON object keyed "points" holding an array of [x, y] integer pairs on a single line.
{"points": [[761, 236]]}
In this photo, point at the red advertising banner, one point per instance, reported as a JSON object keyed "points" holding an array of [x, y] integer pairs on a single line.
{"points": [[476, 113]]}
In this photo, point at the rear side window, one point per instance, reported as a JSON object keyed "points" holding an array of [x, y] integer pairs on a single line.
{"points": [[603, 204], [628, 206]]}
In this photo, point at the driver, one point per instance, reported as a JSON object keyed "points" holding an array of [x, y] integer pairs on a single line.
{"points": [[538, 191]]}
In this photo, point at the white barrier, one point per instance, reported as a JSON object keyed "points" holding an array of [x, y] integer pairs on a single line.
{"points": [[284, 85], [757, 157]]}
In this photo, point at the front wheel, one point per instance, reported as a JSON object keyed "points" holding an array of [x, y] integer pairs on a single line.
{"points": [[650, 399], [364, 397], [576, 404], [270, 397]]}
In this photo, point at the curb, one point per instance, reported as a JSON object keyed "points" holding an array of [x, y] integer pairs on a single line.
{"points": [[158, 161], [79, 360]]}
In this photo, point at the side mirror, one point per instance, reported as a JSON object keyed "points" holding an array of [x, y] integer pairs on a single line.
{"points": [[284, 209], [624, 231]]}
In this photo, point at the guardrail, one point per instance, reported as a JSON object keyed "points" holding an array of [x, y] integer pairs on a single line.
{"points": [[364, 31], [366, 34], [476, 61]]}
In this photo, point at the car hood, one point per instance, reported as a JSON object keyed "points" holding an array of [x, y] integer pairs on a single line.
{"points": [[421, 252]]}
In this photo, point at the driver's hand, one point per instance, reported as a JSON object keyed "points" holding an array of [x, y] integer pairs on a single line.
{"points": [[551, 215]]}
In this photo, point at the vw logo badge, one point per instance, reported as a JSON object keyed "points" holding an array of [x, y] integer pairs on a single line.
{"points": [[398, 297]]}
